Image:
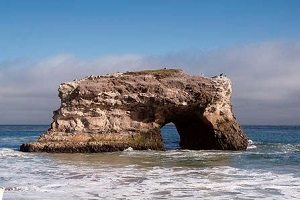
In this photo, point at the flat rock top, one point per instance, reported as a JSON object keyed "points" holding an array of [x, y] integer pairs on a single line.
{"points": [[171, 77], [172, 84]]}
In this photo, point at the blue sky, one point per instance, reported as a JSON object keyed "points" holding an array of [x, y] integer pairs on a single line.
{"points": [[254, 42], [35, 29]]}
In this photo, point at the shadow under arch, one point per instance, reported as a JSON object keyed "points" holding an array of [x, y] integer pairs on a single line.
{"points": [[194, 131]]}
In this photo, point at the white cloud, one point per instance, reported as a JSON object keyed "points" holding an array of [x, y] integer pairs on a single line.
{"points": [[265, 78]]}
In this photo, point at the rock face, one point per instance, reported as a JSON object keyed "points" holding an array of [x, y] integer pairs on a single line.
{"points": [[114, 112]]}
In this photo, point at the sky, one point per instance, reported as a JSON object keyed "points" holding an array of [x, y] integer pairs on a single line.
{"points": [[255, 43]]}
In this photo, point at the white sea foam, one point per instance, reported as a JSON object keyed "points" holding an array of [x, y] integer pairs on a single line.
{"points": [[6, 152], [1, 193], [140, 175], [251, 145], [129, 149]]}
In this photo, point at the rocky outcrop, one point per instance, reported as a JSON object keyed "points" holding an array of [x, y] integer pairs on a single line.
{"points": [[114, 112]]}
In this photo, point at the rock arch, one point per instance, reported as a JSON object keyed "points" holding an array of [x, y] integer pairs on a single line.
{"points": [[114, 112]]}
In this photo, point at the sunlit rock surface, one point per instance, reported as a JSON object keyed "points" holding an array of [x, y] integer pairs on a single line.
{"points": [[118, 111]]}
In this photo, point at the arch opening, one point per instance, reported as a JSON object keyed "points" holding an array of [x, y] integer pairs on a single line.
{"points": [[188, 130], [170, 136]]}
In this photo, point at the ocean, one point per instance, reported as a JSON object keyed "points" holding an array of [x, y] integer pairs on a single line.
{"points": [[268, 169]]}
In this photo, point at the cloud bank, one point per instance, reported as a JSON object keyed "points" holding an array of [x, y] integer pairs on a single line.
{"points": [[265, 76]]}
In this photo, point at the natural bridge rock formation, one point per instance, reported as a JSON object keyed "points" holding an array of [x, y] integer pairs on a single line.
{"points": [[114, 112]]}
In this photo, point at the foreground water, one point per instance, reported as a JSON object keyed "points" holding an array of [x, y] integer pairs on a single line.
{"points": [[269, 169]]}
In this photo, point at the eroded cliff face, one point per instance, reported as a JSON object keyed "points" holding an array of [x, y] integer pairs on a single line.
{"points": [[114, 112]]}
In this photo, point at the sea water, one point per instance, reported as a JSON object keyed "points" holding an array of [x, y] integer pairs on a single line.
{"points": [[268, 169]]}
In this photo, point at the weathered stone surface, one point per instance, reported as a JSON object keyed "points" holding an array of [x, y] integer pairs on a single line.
{"points": [[114, 112]]}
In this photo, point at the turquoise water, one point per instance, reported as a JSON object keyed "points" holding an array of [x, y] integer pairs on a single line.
{"points": [[269, 169]]}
